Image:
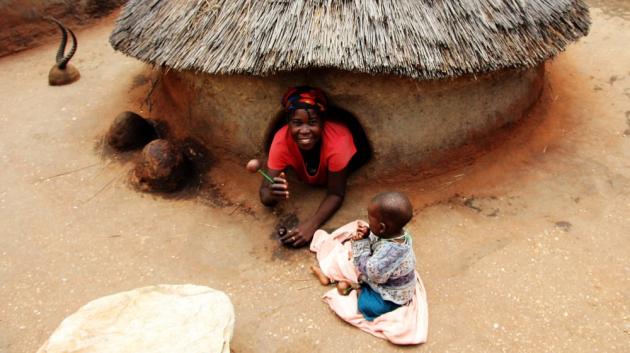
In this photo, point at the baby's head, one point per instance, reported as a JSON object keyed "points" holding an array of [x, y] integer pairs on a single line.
{"points": [[388, 213]]}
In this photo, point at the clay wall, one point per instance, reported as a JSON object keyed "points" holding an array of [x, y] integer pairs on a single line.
{"points": [[407, 122]]}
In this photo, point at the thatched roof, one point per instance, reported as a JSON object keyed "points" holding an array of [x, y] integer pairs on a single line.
{"points": [[423, 39]]}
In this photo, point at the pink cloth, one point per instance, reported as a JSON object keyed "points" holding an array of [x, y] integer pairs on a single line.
{"points": [[408, 324]]}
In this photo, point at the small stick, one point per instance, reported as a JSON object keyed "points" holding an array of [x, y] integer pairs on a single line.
{"points": [[305, 287], [269, 179], [68, 172], [104, 187], [147, 99]]}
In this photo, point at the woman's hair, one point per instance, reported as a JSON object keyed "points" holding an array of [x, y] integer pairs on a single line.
{"points": [[304, 97]]}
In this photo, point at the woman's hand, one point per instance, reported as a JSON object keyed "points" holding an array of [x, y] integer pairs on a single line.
{"points": [[299, 236], [271, 194], [280, 187], [303, 233], [363, 232]]}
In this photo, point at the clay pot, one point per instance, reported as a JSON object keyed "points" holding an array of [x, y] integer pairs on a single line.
{"points": [[162, 167], [130, 131]]}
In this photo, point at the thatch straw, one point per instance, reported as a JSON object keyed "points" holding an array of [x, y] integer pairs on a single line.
{"points": [[424, 39]]}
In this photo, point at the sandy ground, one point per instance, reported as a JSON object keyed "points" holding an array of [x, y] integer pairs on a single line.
{"points": [[525, 249], [22, 26]]}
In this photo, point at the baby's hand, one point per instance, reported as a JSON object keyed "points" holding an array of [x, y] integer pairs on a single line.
{"points": [[362, 232]]}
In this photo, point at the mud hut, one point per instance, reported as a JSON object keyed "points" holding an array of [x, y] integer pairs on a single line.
{"points": [[419, 77]]}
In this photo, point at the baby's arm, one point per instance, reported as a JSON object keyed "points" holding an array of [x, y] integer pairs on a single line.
{"points": [[361, 253], [377, 267], [363, 231]]}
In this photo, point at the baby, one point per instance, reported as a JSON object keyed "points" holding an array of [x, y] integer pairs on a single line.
{"points": [[383, 255]]}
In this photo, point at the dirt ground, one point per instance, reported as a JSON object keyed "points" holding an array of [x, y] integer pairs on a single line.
{"points": [[23, 25], [526, 248]]}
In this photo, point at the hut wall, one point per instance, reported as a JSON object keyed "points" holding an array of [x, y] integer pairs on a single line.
{"points": [[407, 121]]}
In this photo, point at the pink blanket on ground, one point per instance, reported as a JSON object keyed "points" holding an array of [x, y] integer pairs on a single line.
{"points": [[406, 325]]}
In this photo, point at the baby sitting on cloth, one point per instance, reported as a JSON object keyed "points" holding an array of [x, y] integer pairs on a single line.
{"points": [[383, 256], [390, 301]]}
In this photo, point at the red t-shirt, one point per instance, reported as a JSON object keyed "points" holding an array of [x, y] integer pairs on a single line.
{"points": [[337, 149]]}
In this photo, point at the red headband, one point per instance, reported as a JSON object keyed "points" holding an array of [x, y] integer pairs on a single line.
{"points": [[304, 97]]}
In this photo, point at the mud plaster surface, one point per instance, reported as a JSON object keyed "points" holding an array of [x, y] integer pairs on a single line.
{"points": [[524, 249]]}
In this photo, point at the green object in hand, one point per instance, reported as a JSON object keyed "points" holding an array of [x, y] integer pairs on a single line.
{"points": [[269, 179], [254, 166]]}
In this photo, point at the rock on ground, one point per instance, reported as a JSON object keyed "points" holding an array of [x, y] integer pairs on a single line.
{"points": [[162, 318], [130, 131], [162, 167]]}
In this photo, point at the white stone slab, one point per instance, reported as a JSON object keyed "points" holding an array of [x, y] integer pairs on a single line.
{"points": [[162, 318]]}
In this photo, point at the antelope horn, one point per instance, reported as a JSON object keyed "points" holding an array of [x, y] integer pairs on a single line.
{"points": [[64, 39], [62, 64]]}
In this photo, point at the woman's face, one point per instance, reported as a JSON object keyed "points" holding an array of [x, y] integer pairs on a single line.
{"points": [[305, 128]]}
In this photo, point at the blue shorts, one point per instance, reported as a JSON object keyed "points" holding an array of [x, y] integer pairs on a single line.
{"points": [[372, 305]]}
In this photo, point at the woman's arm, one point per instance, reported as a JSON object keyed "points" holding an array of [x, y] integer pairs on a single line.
{"points": [[335, 195], [271, 194]]}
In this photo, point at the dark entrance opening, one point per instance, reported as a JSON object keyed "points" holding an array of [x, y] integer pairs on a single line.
{"points": [[364, 149]]}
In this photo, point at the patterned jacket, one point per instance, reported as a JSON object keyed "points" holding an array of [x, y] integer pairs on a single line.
{"points": [[386, 266]]}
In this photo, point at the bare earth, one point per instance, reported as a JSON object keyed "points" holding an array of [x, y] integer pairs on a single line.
{"points": [[526, 249]]}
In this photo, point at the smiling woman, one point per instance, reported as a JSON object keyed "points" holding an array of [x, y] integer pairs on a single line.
{"points": [[318, 150]]}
